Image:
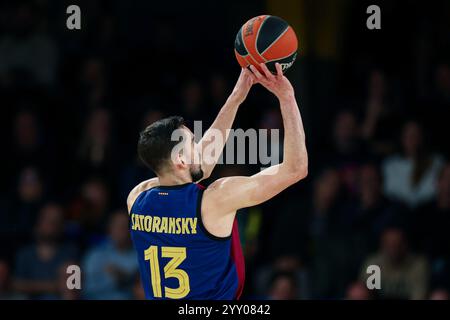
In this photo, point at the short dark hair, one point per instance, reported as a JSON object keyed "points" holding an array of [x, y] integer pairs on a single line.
{"points": [[155, 143]]}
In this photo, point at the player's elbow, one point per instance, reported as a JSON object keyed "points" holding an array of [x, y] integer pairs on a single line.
{"points": [[300, 169], [300, 172], [296, 172]]}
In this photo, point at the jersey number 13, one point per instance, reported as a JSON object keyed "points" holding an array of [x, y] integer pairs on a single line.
{"points": [[177, 255]]}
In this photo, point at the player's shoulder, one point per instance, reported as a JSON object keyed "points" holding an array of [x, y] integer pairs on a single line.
{"points": [[215, 187], [222, 190], [222, 183], [137, 190]]}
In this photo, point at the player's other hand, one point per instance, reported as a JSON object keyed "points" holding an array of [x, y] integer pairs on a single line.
{"points": [[244, 83], [278, 84]]}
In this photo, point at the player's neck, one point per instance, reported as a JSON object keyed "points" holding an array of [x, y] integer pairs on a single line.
{"points": [[173, 180]]}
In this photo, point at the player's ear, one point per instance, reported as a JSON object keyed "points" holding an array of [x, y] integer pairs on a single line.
{"points": [[180, 160]]}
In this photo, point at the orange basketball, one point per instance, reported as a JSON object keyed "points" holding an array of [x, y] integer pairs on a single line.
{"points": [[266, 39]]}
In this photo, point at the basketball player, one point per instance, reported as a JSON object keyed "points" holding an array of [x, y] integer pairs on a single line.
{"points": [[186, 236]]}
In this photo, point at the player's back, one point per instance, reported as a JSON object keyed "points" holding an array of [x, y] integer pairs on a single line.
{"points": [[178, 258]]}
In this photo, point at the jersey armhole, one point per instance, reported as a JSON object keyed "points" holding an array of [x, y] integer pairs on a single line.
{"points": [[134, 195], [200, 220]]}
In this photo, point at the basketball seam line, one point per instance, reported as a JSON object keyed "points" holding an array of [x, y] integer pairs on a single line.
{"points": [[257, 35], [250, 56], [243, 41], [283, 57], [285, 30]]}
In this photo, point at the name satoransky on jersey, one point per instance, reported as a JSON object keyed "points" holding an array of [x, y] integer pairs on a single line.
{"points": [[169, 225]]}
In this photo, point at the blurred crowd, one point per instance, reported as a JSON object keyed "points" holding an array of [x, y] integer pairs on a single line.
{"points": [[73, 102]]}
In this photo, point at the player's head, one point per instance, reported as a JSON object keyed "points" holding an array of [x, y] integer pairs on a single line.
{"points": [[167, 146]]}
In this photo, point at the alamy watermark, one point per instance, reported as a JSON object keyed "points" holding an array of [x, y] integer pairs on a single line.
{"points": [[374, 20], [74, 277], [374, 279], [73, 21], [249, 146]]}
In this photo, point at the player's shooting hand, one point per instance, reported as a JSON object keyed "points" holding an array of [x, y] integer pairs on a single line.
{"points": [[278, 84], [244, 83]]}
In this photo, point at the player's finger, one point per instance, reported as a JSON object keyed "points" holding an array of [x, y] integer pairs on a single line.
{"points": [[279, 70], [247, 73], [252, 77], [266, 71], [257, 74]]}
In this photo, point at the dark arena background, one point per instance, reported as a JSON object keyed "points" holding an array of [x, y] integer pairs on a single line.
{"points": [[375, 105]]}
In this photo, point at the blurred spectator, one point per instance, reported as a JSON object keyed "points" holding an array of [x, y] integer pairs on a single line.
{"points": [[110, 268], [404, 275], [346, 134], [439, 294], [97, 150], [138, 289], [436, 111], [218, 88], [430, 227], [358, 291], [283, 286], [271, 119], [192, 100], [371, 212], [411, 177], [281, 280], [26, 133], [289, 229], [442, 83], [105, 35], [29, 146], [89, 210], [358, 227], [19, 211], [6, 292], [27, 53], [379, 123], [326, 200], [328, 248], [37, 266], [432, 220], [30, 187], [150, 117], [348, 150], [94, 83]]}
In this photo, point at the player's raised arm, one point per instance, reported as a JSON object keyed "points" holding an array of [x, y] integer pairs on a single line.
{"points": [[224, 122], [227, 195]]}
